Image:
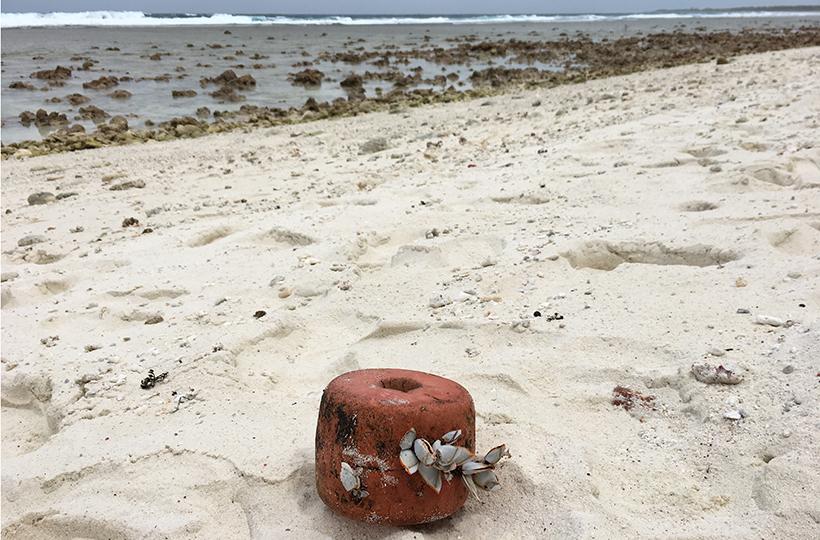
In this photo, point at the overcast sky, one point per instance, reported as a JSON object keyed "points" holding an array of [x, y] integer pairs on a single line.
{"points": [[377, 6]]}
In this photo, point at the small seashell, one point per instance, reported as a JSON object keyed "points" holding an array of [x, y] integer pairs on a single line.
{"points": [[406, 442], [768, 320], [495, 455], [431, 476], [487, 480], [451, 436], [409, 461], [424, 452], [348, 476], [733, 415], [284, 292]]}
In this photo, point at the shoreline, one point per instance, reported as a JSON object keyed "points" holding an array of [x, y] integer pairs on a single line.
{"points": [[675, 49]]}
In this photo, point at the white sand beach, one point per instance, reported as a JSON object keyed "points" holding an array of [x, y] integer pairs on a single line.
{"points": [[654, 221]]}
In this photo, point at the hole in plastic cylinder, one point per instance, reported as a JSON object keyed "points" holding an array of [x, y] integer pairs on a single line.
{"points": [[400, 384]]}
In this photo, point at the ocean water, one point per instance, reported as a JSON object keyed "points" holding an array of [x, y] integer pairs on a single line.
{"points": [[195, 46], [138, 18]]}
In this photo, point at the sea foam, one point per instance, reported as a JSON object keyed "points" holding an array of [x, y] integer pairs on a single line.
{"points": [[138, 18]]}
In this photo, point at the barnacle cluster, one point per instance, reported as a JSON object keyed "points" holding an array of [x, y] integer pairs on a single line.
{"points": [[436, 462], [443, 459]]}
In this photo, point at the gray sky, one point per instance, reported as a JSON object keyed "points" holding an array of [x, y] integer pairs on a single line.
{"points": [[377, 6]]}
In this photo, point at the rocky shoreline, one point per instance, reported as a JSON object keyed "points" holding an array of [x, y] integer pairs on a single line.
{"points": [[580, 58]]}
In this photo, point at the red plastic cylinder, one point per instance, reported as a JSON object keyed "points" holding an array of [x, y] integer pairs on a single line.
{"points": [[362, 418]]}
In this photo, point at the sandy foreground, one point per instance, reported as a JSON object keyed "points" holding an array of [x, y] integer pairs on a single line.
{"points": [[660, 214]]}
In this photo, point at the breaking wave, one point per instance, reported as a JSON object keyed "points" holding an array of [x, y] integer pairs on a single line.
{"points": [[138, 18]]}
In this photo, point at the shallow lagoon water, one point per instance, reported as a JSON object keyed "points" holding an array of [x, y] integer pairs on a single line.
{"points": [[189, 53]]}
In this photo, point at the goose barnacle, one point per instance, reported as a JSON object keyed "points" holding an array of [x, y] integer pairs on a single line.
{"points": [[424, 451], [480, 473], [409, 461], [408, 439], [431, 476], [442, 458], [451, 436], [351, 481], [495, 454]]}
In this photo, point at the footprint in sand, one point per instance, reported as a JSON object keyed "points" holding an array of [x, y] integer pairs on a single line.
{"points": [[603, 255], [705, 152], [280, 235], [460, 252], [25, 399], [296, 350], [6, 296], [698, 206], [806, 171], [387, 329], [800, 240], [523, 198], [40, 256], [192, 474], [138, 315], [771, 173], [751, 146], [156, 294], [210, 236], [54, 286], [792, 500]]}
